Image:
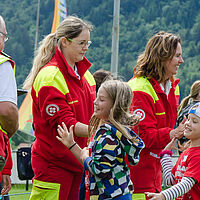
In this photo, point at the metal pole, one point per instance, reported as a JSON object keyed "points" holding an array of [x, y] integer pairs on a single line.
{"points": [[115, 38], [37, 25]]}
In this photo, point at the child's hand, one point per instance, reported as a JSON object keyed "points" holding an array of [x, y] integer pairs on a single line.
{"points": [[66, 137], [171, 145], [184, 146], [179, 131], [155, 196]]}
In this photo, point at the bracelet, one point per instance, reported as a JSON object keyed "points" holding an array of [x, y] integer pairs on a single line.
{"points": [[162, 153], [72, 146]]}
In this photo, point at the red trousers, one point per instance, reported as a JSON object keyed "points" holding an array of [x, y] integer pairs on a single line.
{"points": [[69, 181]]}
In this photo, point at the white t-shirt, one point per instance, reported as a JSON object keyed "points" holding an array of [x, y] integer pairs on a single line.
{"points": [[8, 86]]}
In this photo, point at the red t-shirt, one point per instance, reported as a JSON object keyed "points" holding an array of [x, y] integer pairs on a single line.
{"points": [[188, 165]]}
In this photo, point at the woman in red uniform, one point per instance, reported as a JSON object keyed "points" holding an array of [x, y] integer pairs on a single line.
{"points": [[63, 90], [155, 100]]}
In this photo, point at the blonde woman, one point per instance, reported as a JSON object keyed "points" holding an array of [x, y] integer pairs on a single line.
{"points": [[109, 175], [63, 90]]}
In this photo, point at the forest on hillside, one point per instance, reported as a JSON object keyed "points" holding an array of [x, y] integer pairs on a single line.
{"points": [[139, 20]]}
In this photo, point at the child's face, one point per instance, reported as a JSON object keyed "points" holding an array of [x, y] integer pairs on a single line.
{"points": [[192, 127], [102, 104]]}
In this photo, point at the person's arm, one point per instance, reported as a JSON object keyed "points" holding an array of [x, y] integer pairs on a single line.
{"points": [[8, 99], [167, 166], [67, 138], [81, 130], [9, 117], [6, 173], [6, 184], [179, 189], [166, 162], [175, 191], [132, 147], [51, 95]]}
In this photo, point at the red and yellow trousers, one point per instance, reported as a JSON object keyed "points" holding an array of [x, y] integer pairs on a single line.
{"points": [[53, 183]]}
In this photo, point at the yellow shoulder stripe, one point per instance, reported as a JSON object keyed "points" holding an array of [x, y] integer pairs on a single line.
{"points": [[50, 76], [177, 91], [90, 79], [142, 84]]}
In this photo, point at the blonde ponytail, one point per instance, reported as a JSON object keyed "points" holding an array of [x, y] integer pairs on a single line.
{"points": [[44, 54]]}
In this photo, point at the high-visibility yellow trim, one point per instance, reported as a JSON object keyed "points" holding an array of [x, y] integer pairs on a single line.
{"points": [[50, 76], [142, 84], [90, 79], [45, 190], [163, 113], [138, 196], [3, 130], [177, 91], [4, 59], [72, 102]]}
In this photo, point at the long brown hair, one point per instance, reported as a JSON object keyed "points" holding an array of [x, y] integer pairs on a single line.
{"points": [[160, 48], [119, 116]]}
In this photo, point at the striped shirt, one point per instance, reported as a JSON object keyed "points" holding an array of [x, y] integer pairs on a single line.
{"points": [[179, 189]]}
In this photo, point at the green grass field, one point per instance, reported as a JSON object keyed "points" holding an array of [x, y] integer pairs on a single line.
{"points": [[18, 192]]}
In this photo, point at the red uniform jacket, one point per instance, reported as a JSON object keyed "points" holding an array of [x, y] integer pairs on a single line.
{"points": [[158, 114], [59, 96]]}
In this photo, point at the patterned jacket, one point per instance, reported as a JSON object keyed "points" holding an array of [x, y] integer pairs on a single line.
{"points": [[109, 174]]}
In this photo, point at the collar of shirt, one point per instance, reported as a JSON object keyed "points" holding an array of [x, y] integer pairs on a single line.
{"points": [[76, 72], [167, 88]]}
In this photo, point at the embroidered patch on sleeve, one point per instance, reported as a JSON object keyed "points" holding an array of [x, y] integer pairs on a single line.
{"points": [[140, 113], [51, 109]]}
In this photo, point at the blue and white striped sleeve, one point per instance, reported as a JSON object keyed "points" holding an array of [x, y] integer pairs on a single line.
{"points": [[179, 189], [167, 166]]}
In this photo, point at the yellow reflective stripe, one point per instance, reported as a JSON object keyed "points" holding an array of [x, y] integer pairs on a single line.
{"points": [[4, 59], [138, 196], [163, 113], [90, 79], [177, 91], [43, 184], [3, 130], [50, 76], [142, 84], [72, 102], [45, 190]]}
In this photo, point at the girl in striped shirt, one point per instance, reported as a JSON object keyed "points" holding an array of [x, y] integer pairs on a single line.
{"points": [[185, 175]]}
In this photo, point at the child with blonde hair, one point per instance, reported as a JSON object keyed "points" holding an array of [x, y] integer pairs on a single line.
{"points": [[109, 173]]}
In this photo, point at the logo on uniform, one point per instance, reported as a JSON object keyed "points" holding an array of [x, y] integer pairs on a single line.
{"points": [[51, 109], [140, 113]]}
